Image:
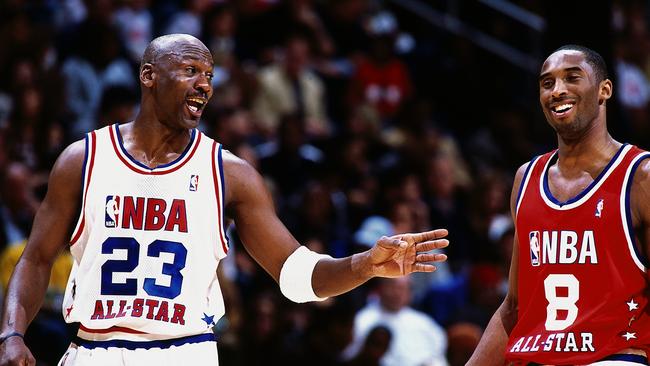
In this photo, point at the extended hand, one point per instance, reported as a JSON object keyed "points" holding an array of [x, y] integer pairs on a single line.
{"points": [[14, 352], [402, 254]]}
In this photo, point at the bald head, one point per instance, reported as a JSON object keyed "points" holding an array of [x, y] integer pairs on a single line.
{"points": [[172, 45]]}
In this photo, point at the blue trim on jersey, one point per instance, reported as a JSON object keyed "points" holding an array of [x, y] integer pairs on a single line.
{"points": [[585, 191], [628, 212], [523, 179], [133, 345], [141, 165], [223, 194], [629, 358], [83, 170]]}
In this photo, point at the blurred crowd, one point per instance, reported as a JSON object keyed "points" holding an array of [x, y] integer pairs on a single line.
{"points": [[365, 121]]}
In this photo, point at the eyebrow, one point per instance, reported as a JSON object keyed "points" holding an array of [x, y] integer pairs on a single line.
{"points": [[568, 69]]}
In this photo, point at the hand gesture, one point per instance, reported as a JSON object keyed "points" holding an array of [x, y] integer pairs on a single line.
{"points": [[402, 254], [14, 352]]}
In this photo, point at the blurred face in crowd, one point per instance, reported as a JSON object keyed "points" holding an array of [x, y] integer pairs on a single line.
{"points": [[181, 82], [570, 94], [297, 56], [394, 293]]}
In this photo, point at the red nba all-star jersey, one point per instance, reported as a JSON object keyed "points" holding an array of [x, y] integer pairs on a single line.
{"points": [[583, 287]]}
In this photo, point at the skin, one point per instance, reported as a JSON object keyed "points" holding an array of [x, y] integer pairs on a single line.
{"points": [[174, 69], [585, 148]]}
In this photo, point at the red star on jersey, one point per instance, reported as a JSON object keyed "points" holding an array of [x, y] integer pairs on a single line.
{"points": [[68, 311]]}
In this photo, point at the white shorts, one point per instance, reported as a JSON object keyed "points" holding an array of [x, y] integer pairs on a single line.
{"points": [[193, 350]]}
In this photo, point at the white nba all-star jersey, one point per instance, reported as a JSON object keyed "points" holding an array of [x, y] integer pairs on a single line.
{"points": [[147, 242]]}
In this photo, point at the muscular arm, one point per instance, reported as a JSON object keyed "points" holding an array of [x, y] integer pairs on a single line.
{"points": [[640, 204], [491, 349], [270, 243], [51, 232]]}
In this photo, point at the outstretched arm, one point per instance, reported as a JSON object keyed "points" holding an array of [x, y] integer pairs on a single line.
{"points": [[640, 204], [51, 232], [491, 349], [269, 242]]}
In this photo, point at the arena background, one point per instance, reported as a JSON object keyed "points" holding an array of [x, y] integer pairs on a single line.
{"points": [[403, 115]]}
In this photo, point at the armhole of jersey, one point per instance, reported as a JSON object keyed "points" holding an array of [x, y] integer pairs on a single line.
{"points": [[86, 173], [626, 214], [219, 191], [524, 182]]}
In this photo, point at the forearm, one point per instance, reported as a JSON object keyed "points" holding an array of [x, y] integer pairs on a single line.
{"points": [[333, 277], [491, 349], [24, 295]]}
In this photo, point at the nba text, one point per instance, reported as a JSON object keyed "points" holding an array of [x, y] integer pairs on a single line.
{"points": [[555, 342], [562, 247], [140, 213], [160, 310]]}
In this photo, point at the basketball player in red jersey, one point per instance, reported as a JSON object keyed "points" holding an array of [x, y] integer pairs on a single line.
{"points": [[578, 290], [140, 195]]}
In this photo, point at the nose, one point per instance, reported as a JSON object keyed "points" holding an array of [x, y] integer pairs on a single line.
{"points": [[559, 89], [203, 84]]}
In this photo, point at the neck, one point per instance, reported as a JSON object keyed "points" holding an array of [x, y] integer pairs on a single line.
{"points": [[591, 151], [152, 142]]}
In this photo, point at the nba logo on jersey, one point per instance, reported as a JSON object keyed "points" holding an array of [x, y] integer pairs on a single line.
{"points": [[599, 208], [194, 183], [112, 211], [533, 238]]}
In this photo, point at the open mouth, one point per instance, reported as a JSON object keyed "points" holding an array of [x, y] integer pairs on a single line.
{"points": [[562, 109], [195, 105]]}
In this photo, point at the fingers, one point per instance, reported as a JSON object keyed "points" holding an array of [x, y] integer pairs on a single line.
{"points": [[430, 257], [423, 267], [427, 235], [431, 244]]}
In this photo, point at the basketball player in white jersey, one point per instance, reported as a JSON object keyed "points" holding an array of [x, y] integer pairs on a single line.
{"points": [[142, 207]]}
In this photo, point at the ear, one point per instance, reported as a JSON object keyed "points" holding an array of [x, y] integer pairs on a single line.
{"points": [[147, 75], [605, 91]]}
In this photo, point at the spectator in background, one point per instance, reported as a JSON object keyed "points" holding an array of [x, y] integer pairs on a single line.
{"points": [[189, 19], [220, 26], [135, 23], [381, 78], [463, 339], [19, 202], [374, 348], [446, 201], [289, 87], [633, 87], [118, 105], [291, 162], [416, 339], [97, 64]]}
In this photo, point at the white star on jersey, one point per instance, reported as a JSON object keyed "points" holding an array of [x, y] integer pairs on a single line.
{"points": [[629, 335], [632, 305]]}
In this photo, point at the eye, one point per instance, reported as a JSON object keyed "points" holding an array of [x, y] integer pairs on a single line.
{"points": [[547, 83], [209, 75], [573, 77], [190, 69]]}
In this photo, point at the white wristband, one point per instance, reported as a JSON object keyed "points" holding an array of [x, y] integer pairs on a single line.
{"points": [[295, 275]]}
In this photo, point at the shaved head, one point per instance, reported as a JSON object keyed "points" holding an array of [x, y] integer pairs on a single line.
{"points": [[170, 45]]}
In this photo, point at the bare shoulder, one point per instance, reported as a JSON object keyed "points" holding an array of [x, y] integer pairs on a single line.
{"points": [[640, 191], [642, 175], [72, 158], [242, 180], [516, 185]]}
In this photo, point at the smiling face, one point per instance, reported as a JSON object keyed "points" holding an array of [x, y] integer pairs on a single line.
{"points": [[179, 78], [570, 93]]}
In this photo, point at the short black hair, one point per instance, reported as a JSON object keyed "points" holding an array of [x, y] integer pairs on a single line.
{"points": [[593, 58]]}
